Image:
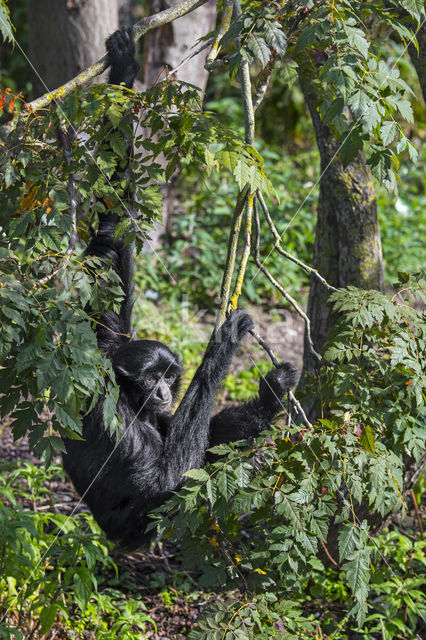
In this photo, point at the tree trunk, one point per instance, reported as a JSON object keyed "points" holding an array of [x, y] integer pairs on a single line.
{"points": [[347, 243], [419, 59], [164, 48], [66, 36]]}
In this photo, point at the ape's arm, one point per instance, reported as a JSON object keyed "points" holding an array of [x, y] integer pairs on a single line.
{"points": [[113, 328], [188, 430], [237, 423]]}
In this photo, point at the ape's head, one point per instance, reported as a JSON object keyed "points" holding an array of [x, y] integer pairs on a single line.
{"points": [[150, 371]]}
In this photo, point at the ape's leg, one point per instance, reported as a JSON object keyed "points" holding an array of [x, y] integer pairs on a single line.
{"points": [[236, 423], [188, 432]]}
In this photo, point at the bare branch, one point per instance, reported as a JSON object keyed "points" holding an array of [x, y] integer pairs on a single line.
{"points": [[287, 255], [223, 28], [281, 289]]}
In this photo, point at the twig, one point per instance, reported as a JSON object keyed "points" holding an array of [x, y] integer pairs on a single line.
{"points": [[184, 61], [281, 289], [139, 29], [328, 554], [266, 347], [293, 400], [287, 255], [233, 301], [299, 408], [416, 509], [249, 139]]}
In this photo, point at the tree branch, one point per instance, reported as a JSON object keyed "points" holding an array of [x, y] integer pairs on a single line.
{"points": [[281, 289], [223, 28], [285, 254], [139, 29]]}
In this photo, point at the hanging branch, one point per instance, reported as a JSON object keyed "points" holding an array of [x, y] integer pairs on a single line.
{"points": [[281, 289], [184, 61], [139, 29], [231, 256], [287, 255]]}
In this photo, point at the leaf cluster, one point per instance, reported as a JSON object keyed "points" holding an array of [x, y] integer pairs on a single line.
{"points": [[51, 565], [291, 488], [51, 367]]}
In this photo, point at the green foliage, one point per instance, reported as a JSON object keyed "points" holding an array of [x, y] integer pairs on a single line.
{"points": [[195, 248], [347, 467], [49, 565], [48, 349], [5, 23], [351, 73]]}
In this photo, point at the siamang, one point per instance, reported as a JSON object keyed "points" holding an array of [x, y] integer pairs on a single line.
{"points": [[122, 481]]}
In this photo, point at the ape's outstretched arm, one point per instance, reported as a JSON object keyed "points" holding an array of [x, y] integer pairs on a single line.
{"points": [[188, 432]]}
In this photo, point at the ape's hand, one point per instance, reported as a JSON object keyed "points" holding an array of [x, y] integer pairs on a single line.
{"points": [[236, 326], [121, 55]]}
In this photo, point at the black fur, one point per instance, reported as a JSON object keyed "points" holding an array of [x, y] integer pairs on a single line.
{"points": [[121, 482]]}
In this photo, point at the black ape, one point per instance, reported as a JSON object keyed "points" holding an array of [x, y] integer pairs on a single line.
{"points": [[121, 482]]}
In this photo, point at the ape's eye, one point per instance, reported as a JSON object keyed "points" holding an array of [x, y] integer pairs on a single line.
{"points": [[170, 378], [150, 381]]}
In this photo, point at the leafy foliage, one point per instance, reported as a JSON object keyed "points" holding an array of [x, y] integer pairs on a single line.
{"points": [[48, 351], [294, 488], [49, 564], [5, 24]]}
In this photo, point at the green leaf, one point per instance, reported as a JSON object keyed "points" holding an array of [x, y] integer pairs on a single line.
{"points": [[367, 440], [406, 110], [348, 537], [48, 615], [5, 23], [356, 39], [197, 474], [259, 48], [388, 131], [118, 143], [83, 586]]}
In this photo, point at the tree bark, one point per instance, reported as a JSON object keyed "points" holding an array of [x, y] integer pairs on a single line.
{"points": [[65, 37], [164, 48], [347, 247], [419, 59]]}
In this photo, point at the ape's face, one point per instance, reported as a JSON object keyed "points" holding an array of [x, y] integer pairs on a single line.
{"points": [[153, 371]]}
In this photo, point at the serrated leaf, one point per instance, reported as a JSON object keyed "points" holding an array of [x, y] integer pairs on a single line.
{"points": [[5, 23], [367, 440], [197, 474], [406, 110], [388, 131], [276, 38], [259, 48], [118, 143], [347, 540]]}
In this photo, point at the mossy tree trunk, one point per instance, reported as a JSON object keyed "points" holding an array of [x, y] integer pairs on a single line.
{"points": [[347, 243]]}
